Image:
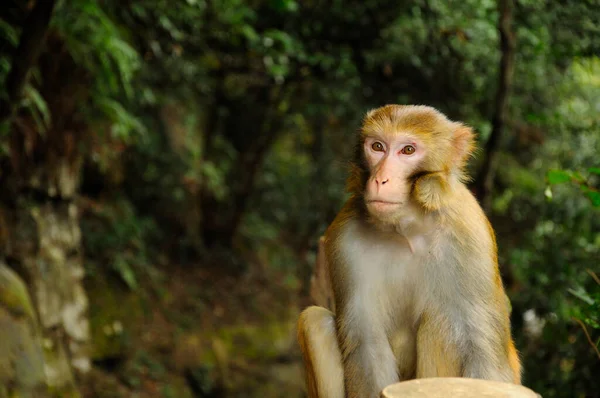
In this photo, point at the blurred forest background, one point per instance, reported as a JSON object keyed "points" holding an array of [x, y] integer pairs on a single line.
{"points": [[167, 167]]}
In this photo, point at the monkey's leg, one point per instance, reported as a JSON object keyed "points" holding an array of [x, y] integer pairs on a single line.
{"points": [[321, 353], [437, 354]]}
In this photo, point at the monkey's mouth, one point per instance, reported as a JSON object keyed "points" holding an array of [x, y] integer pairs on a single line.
{"points": [[379, 204]]}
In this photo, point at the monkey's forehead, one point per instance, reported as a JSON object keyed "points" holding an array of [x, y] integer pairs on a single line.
{"points": [[406, 119]]}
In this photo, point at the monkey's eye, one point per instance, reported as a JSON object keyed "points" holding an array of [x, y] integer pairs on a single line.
{"points": [[408, 150], [377, 146]]}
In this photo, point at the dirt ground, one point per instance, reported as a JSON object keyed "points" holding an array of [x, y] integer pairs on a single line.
{"points": [[193, 331]]}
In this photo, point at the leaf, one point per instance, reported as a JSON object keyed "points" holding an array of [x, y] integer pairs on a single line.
{"points": [[125, 272], [558, 176], [581, 294], [38, 108], [285, 5], [125, 125], [577, 177], [594, 170], [594, 196], [8, 33]]}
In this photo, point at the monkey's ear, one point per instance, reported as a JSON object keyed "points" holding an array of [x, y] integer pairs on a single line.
{"points": [[370, 113], [463, 143]]}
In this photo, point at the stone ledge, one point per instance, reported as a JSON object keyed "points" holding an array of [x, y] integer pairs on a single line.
{"points": [[451, 387]]}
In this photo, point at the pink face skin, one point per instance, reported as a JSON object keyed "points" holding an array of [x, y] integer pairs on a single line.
{"points": [[391, 159]]}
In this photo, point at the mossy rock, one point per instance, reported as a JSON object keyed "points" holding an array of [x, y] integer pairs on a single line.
{"points": [[21, 354], [14, 296], [258, 342]]}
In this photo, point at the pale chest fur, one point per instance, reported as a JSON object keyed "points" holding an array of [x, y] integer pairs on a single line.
{"points": [[375, 262], [393, 278]]}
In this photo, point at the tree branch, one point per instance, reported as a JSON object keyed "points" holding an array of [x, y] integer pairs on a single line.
{"points": [[485, 179], [588, 337]]}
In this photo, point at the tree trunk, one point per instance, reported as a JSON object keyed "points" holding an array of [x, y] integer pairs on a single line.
{"points": [[40, 238], [485, 179], [44, 246]]}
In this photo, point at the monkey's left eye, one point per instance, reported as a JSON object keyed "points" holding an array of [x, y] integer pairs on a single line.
{"points": [[377, 146], [408, 150]]}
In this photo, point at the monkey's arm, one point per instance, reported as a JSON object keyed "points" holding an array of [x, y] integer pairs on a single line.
{"points": [[490, 352], [482, 308], [470, 312], [470, 338]]}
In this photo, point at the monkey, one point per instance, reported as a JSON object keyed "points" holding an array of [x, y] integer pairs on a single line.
{"points": [[413, 266]]}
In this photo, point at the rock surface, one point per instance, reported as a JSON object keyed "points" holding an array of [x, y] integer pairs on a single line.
{"points": [[40, 239], [21, 355]]}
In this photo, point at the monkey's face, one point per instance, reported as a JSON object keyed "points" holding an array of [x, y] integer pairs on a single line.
{"points": [[391, 159], [398, 145]]}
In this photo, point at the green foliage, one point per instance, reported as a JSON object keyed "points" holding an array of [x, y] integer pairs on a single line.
{"points": [[99, 45], [96, 43], [588, 310], [558, 176], [37, 105], [587, 188], [555, 254], [286, 198], [9, 37], [116, 236], [448, 45], [32, 101]]}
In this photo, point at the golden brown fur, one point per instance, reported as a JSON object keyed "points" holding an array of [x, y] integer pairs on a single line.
{"points": [[413, 266]]}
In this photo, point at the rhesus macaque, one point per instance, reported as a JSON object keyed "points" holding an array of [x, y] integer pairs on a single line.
{"points": [[413, 266]]}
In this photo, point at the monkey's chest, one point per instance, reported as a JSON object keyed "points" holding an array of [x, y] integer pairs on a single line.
{"points": [[382, 270], [385, 274], [387, 301]]}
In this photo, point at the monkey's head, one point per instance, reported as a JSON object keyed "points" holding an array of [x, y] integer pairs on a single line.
{"points": [[408, 155]]}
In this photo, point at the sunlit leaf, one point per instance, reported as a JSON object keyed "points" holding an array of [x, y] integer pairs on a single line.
{"points": [[125, 272], [594, 196], [558, 176], [39, 108], [8, 32], [581, 294]]}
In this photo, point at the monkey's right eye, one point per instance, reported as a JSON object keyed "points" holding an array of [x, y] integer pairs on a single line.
{"points": [[377, 146]]}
